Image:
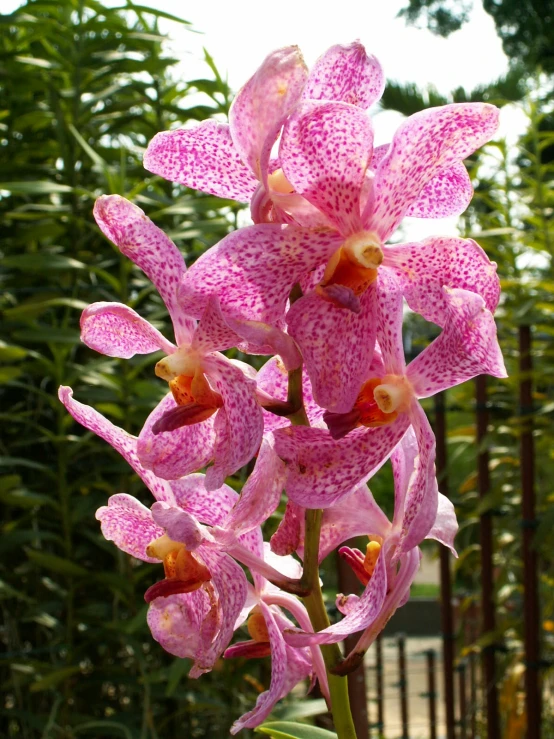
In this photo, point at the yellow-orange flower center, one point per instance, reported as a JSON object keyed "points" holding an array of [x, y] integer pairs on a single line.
{"points": [[279, 183], [257, 627], [373, 550], [179, 564], [381, 400], [354, 265]]}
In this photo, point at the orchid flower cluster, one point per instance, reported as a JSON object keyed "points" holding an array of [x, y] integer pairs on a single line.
{"points": [[314, 285]]}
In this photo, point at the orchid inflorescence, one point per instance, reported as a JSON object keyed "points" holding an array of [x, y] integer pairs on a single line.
{"points": [[314, 285]]}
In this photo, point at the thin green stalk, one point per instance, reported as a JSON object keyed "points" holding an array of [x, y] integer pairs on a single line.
{"points": [[338, 685]]}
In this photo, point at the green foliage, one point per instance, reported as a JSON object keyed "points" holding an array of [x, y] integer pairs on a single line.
{"points": [[290, 730], [84, 88]]}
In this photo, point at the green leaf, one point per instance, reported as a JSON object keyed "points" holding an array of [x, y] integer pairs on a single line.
{"points": [[41, 262], [304, 709], [290, 730], [151, 11], [51, 680], [55, 563], [36, 187], [9, 353]]}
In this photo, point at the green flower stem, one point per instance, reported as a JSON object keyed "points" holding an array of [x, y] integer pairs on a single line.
{"points": [[338, 685]]}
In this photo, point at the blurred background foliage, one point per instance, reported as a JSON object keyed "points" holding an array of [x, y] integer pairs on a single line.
{"points": [[82, 90]]}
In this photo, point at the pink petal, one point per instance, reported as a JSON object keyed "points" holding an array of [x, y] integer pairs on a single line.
{"points": [[212, 333], [423, 269], [150, 249], [325, 150], [261, 338], [267, 700], [337, 346], [467, 347], [403, 465], [121, 441], [261, 493], [289, 534], [262, 105], [209, 507], [231, 585], [253, 270], [365, 612], [426, 144], [172, 454], [239, 423], [389, 323], [184, 624], [273, 380], [347, 74], [129, 524], [204, 158], [322, 471], [445, 526], [357, 515], [421, 501], [179, 525], [447, 194], [118, 331]]}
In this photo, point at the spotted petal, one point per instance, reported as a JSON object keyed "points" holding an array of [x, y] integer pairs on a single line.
{"points": [[150, 249], [208, 507], [322, 471], [172, 454], [266, 701], [119, 331], [421, 497], [324, 152], [366, 611], [261, 493], [262, 105], [203, 157], [239, 423], [129, 524], [253, 270], [337, 345], [122, 442], [423, 269], [347, 74], [426, 143], [467, 347]]}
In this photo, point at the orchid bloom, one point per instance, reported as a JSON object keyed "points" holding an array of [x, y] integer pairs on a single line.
{"points": [[391, 561], [206, 389], [326, 153], [266, 623], [234, 160], [321, 469]]}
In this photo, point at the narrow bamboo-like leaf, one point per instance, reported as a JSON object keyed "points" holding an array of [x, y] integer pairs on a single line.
{"points": [[290, 730], [41, 262], [55, 563], [36, 187], [51, 680]]}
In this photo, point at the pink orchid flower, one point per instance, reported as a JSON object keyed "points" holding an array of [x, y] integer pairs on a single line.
{"points": [[326, 153], [266, 624], [207, 389], [197, 535], [321, 469], [234, 160], [392, 558]]}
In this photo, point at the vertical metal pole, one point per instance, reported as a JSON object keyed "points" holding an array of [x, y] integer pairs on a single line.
{"points": [[487, 580], [432, 693], [380, 686], [473, 695], [463, 702], [357, 691], [447, 619], [533, 698], [403, 684]]}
